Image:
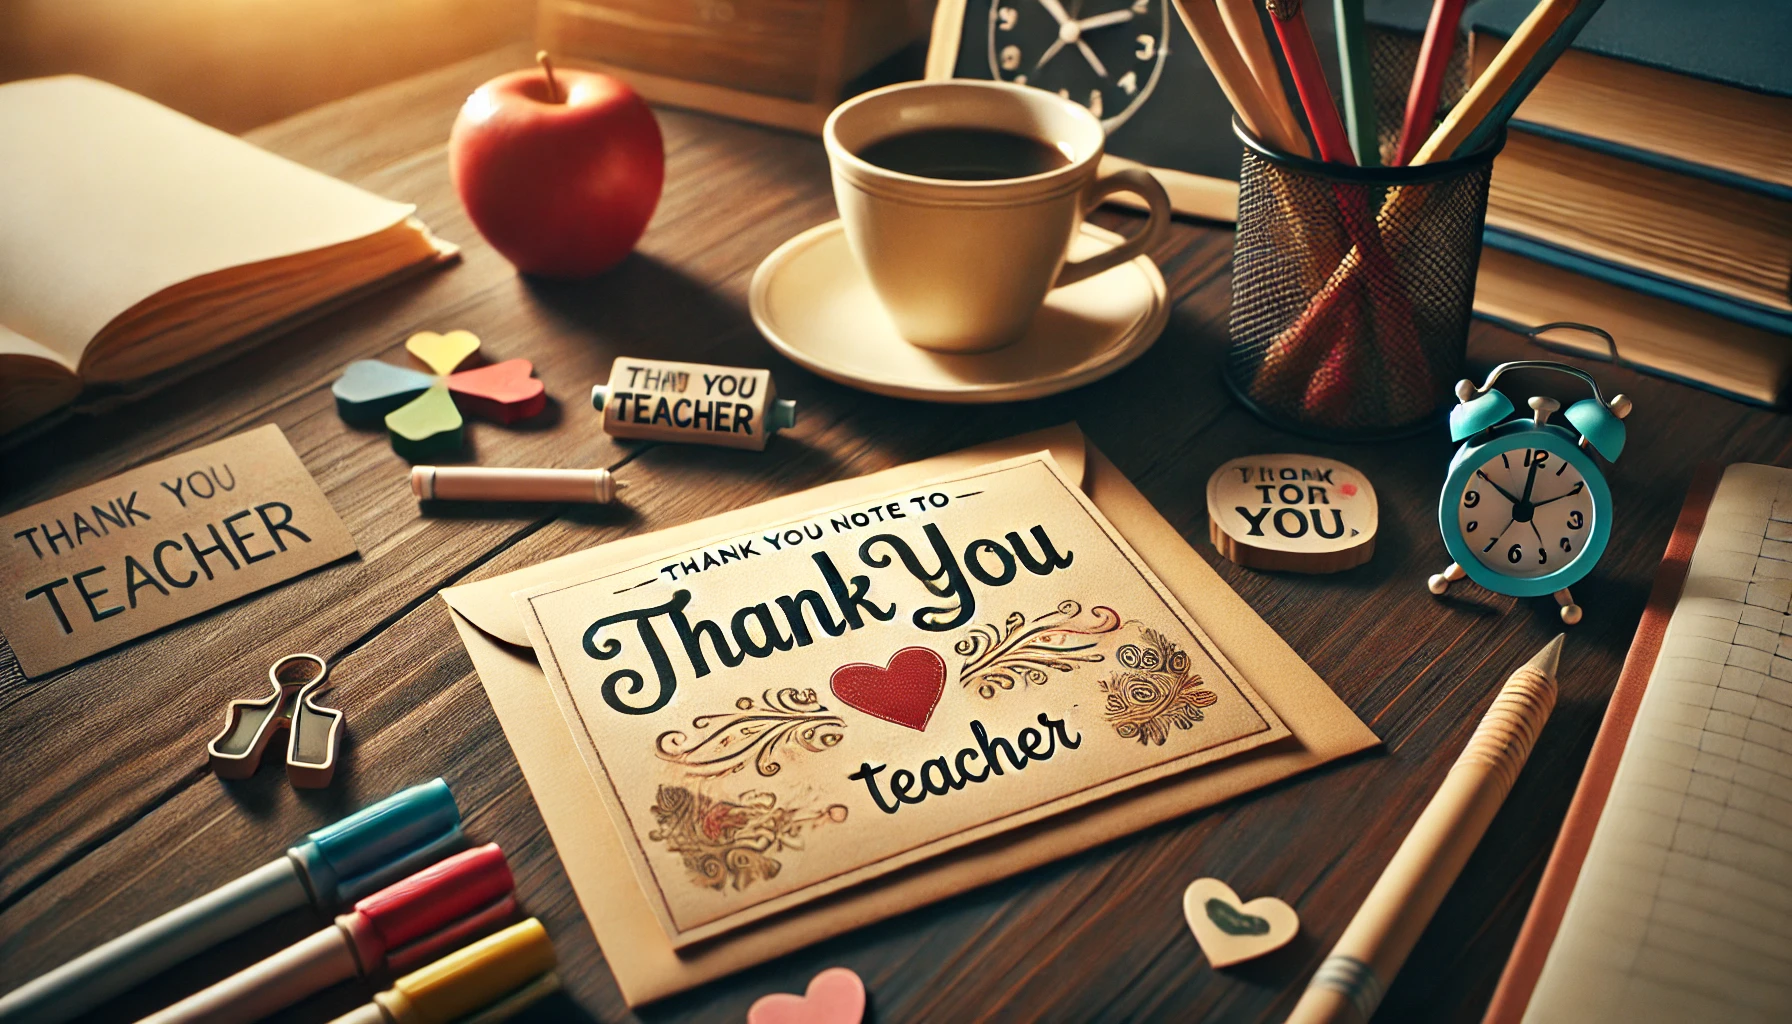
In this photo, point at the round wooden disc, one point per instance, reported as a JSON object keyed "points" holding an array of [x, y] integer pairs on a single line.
{"points": [[1294, 513]]}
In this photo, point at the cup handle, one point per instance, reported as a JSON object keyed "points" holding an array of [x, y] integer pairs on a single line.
{"points": [[1140, 183]]}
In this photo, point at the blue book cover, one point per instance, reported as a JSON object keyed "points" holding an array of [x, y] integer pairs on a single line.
{"points": [[1761, 317], [1741, 43]]}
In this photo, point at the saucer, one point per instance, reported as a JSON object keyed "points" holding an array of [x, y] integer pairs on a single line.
{"points": [[812, 302]]}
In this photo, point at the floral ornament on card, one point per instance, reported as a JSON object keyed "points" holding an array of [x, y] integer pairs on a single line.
{"points": [[424, 411]]}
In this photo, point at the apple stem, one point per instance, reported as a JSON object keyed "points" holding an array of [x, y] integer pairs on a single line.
{"points": [[547, 68]]}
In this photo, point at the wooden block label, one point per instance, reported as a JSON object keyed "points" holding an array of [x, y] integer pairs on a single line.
{"points": [[657, 400], [1291, 512]]}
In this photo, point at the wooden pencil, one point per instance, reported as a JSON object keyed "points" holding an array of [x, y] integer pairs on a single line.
{"points": [[1491, 100], [1350, 981], [1208, 29], [1247, 35]]}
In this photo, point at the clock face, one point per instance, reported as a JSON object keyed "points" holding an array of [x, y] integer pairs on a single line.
{"points": [[1525, 513], [1104, 54]]}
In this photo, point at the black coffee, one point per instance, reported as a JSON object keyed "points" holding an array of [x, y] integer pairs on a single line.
{"points": [[964, 154]]}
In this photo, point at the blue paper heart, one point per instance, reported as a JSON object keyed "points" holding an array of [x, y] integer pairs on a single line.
{"points": [[369, 389]]}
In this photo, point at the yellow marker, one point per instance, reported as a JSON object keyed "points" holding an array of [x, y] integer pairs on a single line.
{"points": [[492, 979]]}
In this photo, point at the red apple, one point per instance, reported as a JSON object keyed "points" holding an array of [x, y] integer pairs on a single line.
{"points": [[559, 169]]}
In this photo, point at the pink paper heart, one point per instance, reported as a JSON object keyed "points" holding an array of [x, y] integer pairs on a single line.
{"points": [[835, 996]]}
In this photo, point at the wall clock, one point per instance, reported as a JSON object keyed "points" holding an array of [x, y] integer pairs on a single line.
{"points": [[1105, 54], [1130, 62], [1525, 508]]}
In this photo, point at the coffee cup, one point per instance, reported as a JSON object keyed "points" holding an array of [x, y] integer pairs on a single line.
{"points": [[961, 200]]}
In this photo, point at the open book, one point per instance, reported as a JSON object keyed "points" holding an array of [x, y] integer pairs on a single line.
{"points": [[133, 238]]}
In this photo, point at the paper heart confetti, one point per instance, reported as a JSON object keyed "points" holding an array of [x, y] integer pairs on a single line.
{"points": [[903, 693], [835, 996], [1229, 931], [443, 353], [423, 411]]}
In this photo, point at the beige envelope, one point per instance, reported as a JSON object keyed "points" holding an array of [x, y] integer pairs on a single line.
{"points": [[646, 965]]}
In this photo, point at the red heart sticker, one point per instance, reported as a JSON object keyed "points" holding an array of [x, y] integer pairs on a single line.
{"points": [[1348, 490], [905, 693]]}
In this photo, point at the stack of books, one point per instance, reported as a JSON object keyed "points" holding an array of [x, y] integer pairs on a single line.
{"points": [[1646, 188]]}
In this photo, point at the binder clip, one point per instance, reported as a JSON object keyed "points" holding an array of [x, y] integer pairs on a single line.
{"points": [[314, 732]]}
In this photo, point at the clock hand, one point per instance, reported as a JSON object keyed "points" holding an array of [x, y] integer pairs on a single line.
{"points": [[1531, 480], [1497, 536], [1050, 52], [1577, 489], [1508, 494], [1104, 20], [1056, 10], [1536, 531], [1094, 61]]}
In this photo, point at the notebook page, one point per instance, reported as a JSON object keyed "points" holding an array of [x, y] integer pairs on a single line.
{"points": [[1683, 909], [107, 198]]}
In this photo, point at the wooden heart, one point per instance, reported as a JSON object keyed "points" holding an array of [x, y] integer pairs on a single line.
{"points": [[1230, 932], [835, 996], [903, 693], [504, 392], [443, 353]]}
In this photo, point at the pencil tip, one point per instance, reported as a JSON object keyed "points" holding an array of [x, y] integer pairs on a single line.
{"points": [[1546, 660]]}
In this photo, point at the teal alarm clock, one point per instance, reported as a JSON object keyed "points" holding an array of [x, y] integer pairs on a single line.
{"points": [[1525, 509]]}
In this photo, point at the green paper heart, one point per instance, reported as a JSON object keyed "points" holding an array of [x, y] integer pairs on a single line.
{"points": [[428, 425], [1235, 922]]}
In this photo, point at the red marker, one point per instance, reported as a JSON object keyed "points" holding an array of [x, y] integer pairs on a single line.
{"points": [[400, 928]]}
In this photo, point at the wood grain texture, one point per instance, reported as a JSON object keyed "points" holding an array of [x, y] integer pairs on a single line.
{"points": [[109, 816]]}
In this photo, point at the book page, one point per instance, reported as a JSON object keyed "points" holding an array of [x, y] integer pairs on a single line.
{"points": [[107, 198], [1683, 910]]}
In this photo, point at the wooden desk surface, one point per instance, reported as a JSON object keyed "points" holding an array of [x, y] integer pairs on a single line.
{"points": [[108, 814]]}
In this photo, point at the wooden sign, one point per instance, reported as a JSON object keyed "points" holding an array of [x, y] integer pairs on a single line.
{"points": [[1230, 930], [1292, 513], [779, 714], [116, 560]]}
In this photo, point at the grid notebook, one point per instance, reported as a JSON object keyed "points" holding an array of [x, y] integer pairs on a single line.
{"points": [[1683, 906]]}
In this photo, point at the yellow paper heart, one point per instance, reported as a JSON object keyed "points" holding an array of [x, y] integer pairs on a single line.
{"points": [[1230, 931], [443, 353]]}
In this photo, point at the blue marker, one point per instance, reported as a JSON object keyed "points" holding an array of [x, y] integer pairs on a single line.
{"points": [[331, 869]]}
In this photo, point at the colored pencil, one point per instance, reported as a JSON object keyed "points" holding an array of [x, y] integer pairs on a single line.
{"points": [[1428, 77], [1489, 103], [1358, 80], [1246, 30], [1309, 80]]}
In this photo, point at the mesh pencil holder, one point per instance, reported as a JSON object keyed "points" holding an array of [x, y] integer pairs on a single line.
{"points": [[1352, 289]]}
